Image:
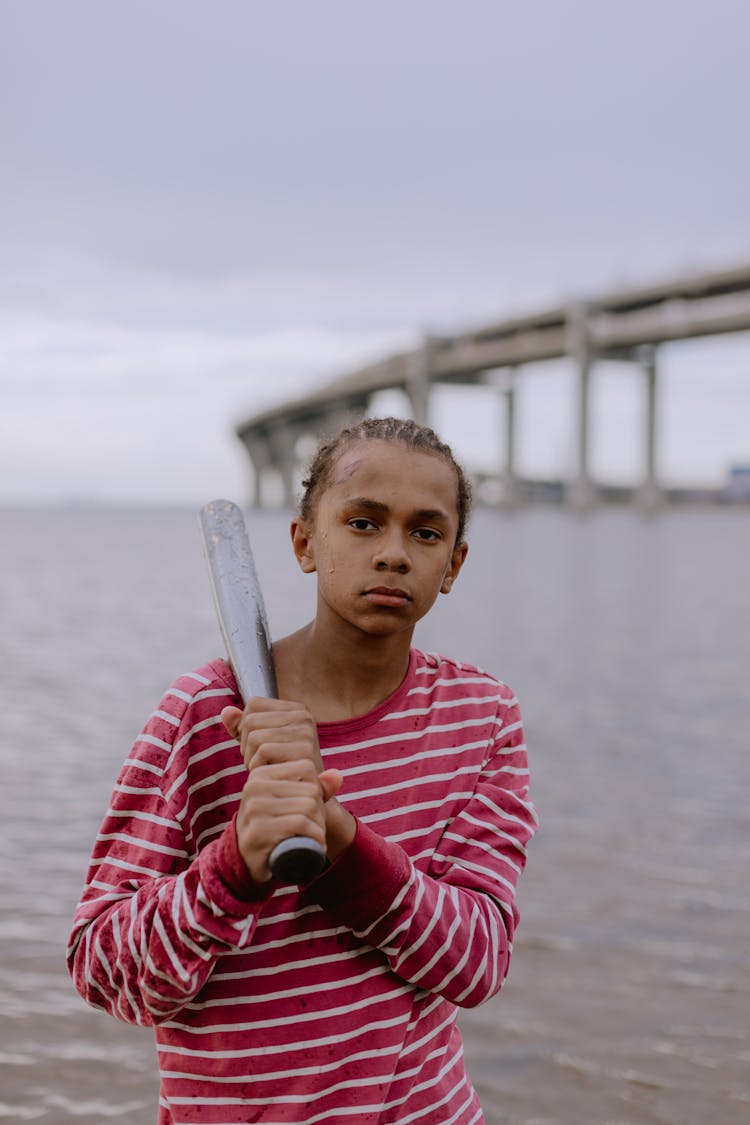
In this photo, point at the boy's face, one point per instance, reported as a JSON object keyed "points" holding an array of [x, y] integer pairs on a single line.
{"points": [[382, 539]]}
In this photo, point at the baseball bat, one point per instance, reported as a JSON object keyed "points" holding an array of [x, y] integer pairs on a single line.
{"points": [[244, 627]]}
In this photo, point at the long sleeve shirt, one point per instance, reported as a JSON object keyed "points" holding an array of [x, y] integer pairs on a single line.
{"points": [[336, 1001]]}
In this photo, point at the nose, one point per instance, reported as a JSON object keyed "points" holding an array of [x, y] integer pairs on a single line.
{"points": [[391, 554]]}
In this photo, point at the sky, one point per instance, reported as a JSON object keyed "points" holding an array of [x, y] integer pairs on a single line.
{"points": [[209, 208]]}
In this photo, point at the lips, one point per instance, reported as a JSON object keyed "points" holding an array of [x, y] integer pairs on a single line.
{"points": [[387, 596]]}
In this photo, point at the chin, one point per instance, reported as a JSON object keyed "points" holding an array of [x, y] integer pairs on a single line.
{"points": [[386, 626]]}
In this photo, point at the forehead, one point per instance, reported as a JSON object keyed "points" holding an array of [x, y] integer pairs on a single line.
{"points": [[396, 473]]}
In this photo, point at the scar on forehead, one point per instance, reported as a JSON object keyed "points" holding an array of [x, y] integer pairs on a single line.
{"points": [[343, 472]]}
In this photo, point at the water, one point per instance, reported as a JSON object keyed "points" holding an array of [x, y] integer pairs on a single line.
{"points": [[628, 642]]}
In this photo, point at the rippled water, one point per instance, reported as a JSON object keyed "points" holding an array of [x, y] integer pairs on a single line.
{"points": [[628, 642]]}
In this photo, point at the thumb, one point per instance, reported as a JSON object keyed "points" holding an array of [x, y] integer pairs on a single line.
{"points": [[230, 717], [330, 782]]}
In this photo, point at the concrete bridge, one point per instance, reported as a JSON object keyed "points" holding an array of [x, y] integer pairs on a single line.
{"points": [[629, 325]]}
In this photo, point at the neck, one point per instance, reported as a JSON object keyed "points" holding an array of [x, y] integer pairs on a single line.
{"points": [[341, 677]]}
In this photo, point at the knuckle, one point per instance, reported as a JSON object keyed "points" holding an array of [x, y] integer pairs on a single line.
{"points": [[311, 807], [261, 753]]}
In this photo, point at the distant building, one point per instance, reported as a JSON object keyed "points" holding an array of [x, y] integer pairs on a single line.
{"points": [[738, 486]]}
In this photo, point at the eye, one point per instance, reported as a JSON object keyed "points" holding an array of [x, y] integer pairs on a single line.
{"points": [[427, 534], [362, 523]]}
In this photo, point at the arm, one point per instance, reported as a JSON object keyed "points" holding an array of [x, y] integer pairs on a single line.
{"points": [[448, 931], [153, 919]]}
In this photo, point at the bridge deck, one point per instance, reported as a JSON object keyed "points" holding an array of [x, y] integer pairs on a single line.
{"points": [[629, 324], [614, 325]]}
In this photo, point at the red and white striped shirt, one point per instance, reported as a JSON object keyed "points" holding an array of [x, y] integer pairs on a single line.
{"points": [[335, 1002]]}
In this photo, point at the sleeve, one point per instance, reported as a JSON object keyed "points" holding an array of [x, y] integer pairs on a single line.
{"points": [[448, 931], [151, 921]]}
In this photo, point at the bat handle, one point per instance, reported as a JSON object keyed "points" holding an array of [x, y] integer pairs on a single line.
{"points": [[297, 860]]}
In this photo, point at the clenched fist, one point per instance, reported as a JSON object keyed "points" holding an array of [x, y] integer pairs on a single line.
{"points": [[287, 787]]}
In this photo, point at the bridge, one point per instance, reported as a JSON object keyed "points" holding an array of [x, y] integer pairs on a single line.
{"points": [[629, 325]]}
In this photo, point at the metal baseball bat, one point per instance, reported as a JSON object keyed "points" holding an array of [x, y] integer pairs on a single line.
{"points": [[242, 620]]}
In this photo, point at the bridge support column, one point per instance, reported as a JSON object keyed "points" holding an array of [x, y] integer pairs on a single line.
{"points": [[283, 440], [582, 492], [260, 458], [649, 496], [511, 492], [418, 382]]}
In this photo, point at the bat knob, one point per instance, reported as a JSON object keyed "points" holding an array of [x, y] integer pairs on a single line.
{"points": [[297, 860]]}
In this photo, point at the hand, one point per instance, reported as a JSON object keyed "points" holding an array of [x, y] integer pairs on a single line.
{"points": [[287, 786]]}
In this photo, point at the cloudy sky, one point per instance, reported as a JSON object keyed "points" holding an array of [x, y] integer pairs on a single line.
{"points": [[206, 208]]}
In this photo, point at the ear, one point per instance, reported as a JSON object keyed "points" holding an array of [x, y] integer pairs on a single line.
{"points": [[302, 545], [458, 558]]}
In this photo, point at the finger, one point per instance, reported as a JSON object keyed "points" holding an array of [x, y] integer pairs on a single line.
{"points": [[230, 717], [286, 726], [259, 712], [331, 782], [263, 705], [281, 724], [288, 732], [272, 752], [273, 802], [296, 771], [276, 805]]}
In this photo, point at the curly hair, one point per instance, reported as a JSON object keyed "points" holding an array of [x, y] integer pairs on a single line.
{"points": [[402, 430]]}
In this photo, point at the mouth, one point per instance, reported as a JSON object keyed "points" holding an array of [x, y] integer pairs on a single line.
{"points": [[387, 596]]}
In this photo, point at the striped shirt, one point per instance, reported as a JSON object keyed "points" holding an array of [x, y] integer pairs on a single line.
{"points": [[337, 1001]]}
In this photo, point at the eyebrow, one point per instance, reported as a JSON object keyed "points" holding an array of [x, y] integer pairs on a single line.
{"points": [[377, 506]]}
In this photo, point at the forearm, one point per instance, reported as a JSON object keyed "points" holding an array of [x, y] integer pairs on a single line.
{"points": [[142, 953], [448, 929], [437, 936]]}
